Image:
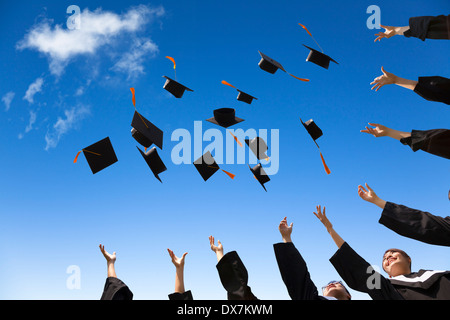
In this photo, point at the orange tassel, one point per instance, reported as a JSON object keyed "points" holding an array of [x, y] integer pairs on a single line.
{"points": [[301, 79], [235, 138], [325, 165], [76, 158], [173, 60], [229, 174], [227, 84], [133, 97]]}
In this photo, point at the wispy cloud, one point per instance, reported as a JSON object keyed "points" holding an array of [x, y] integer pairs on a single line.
{"points": [[131, 62], [98, 28], [29, 127], [7, 99], [34, 88], [63, 125]]}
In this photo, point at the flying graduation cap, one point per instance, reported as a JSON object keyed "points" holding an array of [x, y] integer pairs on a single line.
{"points": [[258, 147], [260, 174], [225, 117], [317, 57], [315, 132], [207, 166], [174, 87], [99, 155], [143, 131], [242, 96], [153, 161], [271, 66]]}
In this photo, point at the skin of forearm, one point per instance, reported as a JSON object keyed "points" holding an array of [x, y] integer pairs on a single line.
{"points": [[380, 203], [179, 280], [396, 134], [219, 255], [111, 270], [336, 238], [401, 30], [405, 83], [287, 239]]}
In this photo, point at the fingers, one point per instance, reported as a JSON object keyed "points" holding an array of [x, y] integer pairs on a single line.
{"points": [[369, 188], [384, 72], [184, 255]]}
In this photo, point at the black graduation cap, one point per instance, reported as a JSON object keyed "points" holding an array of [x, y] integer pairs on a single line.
{"points": [[258, 146], [268, 64], [242, 96], [154, 161], [99, 155], [260, 174], [314, 131], [319, 58], [206, 166], [145, 132], [175, 88], [225, 117]]}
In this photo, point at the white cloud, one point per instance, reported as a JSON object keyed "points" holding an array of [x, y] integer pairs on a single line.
{"points": [[29, 127], [34, 88], [98, 28], [7, 99], [132, 61], [63, 125]]}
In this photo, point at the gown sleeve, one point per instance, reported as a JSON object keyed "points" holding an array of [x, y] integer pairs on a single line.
{"points": [[436, 141], [116, 289], [429, 27], [358, 275], [434, 88], [294, 272], [415, 224], [181, 296], [234, 277]]}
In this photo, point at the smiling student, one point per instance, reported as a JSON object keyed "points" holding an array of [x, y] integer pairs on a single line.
{"points": [[402, 284]]}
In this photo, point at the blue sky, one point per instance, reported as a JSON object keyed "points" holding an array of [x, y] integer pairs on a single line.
{"points": [[60, 97]]}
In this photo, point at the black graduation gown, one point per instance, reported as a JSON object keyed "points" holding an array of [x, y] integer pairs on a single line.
{"points": [[434, 88], [234, 277], [294, 273], [436, 141], [116, 289], [422, 285], [429, 27], [416, 224], [181, 296]]}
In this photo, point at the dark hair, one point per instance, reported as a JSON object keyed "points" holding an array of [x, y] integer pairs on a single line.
{"points": [[403, 253]]}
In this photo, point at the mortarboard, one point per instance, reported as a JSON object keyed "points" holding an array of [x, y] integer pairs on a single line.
{"points": [[145, 132], [260, 174], [268, 64], [259, 147], [317, 57], [174, 87], [242, 96], [154, 161], [315, 132], [225, 117], [99, 155], [207, 166]]}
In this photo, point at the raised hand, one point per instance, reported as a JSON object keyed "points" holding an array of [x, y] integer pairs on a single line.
{"points": [[388, 33], [177, 262], [323, 217], [378, 131], [217, 249], [370, 196], [285, 230], [110, 258], [386, 78]]}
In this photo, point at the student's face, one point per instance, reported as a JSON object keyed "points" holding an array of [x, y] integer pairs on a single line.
{"points": [[395, 263], [336, 290]]}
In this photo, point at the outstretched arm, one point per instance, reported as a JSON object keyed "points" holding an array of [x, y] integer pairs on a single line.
{"points": [[285, 230], [179, 275], [383, 131], [390, 78], [217, 249], [370, 196], [390, 32], [323, 218], [110, 260]]}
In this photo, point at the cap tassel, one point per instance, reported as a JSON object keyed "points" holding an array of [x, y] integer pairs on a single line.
{"points": [[235, 138], [301, 79], [227, 84], [76, 157], [174, 65], [311, 36], [133, 98], [324, 164], [229, 174]]}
